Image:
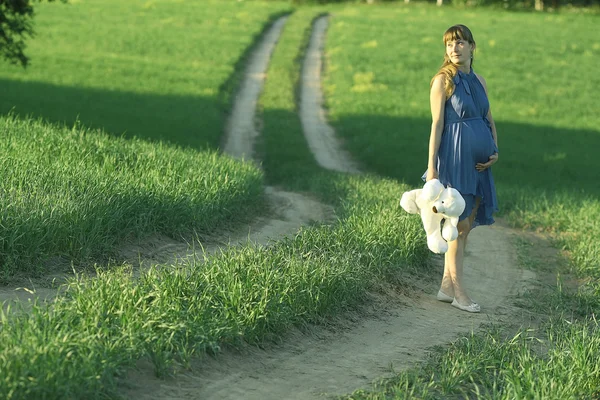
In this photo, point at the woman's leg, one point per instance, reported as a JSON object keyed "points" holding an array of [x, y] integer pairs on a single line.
{"points": [[452, 282], [447, 287], [454, 263]]}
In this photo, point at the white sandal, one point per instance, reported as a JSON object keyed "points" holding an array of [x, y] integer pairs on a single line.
{"points": [[473, 307], [441, 296]]}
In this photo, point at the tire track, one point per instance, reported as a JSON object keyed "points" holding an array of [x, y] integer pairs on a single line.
{"points": [[287, 211], [241, 129], [330, 362], [320, 136]]}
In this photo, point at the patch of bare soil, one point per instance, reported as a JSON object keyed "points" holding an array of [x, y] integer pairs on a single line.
{"points": [[25, 294], [241, 129], [322, 141]]}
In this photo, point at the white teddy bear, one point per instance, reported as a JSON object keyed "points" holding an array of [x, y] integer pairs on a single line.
{"points": [[436, 203]]}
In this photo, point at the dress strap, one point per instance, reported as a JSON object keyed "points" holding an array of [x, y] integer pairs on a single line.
{"points": [[457, 79]]}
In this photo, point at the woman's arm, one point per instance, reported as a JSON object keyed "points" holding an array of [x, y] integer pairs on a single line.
{"points": [[493, 125], [494, 157], [489, 114], [437, 100]]}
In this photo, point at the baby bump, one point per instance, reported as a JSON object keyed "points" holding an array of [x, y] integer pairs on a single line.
{"points": [[477, 140]]}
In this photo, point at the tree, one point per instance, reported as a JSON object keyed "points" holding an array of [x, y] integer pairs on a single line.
{"points": [[16, 18]]}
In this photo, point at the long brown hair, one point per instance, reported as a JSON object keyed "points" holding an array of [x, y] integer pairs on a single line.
{"points": [[448, 69]]}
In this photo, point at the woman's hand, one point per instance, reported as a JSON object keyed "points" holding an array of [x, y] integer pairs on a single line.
{"points": [[432, 173], [491, 161]]}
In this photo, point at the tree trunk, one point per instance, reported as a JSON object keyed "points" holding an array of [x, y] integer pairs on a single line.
{"points": [[439, 2], [539, 5]]}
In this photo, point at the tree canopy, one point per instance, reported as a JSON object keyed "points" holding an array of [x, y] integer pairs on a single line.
{"points": [[16, 18]]}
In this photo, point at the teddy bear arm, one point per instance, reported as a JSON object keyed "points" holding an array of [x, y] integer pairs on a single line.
{"points": [[408, 201]]}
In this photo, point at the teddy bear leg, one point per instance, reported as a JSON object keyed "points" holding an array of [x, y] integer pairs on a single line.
{"points": [[437, 244], [449, 232]]}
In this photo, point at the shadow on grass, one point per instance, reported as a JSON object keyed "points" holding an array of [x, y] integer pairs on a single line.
{"points": [[531, 156], [165, 196], [186, 121]]}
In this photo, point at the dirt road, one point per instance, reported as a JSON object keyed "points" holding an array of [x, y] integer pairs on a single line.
{"points": [[354, 351]]}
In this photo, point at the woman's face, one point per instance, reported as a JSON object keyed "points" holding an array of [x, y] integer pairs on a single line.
{"points": [[459, 51]]}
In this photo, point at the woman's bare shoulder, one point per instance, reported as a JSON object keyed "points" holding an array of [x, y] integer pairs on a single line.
{"points": [[439, 78], [481, 79], [438, 81]]}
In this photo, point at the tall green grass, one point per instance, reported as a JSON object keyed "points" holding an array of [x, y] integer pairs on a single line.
{"points": [[158, 72], [97, 328], [79, 194]]}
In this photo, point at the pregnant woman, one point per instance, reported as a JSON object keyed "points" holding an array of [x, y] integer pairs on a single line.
{"points": [[462, 147]]}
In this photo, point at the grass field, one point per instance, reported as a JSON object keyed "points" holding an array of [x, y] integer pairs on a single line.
{"points": [[102, 325], [78, 194], [122, 67], [152, 69], [378, 73], [378, 82], [377, 92]]}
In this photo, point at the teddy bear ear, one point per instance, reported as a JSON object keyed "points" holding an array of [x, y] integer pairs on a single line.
{"points": [[432, 190]]}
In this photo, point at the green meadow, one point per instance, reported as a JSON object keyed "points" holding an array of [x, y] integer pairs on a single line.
{"points": [[114, 132], [540, 94], [155, 70], [160, 101], [539, 73]]}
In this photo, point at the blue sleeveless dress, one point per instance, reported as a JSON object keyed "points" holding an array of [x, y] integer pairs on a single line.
{"points": [[467, 140]]}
